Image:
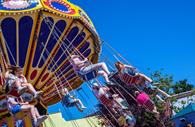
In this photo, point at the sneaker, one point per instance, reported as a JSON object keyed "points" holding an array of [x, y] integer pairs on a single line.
{"points": [[34, 123], [38, 94], [21, 89], [83, 107], [41, 119]]}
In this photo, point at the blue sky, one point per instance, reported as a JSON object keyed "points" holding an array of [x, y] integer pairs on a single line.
{"points": [[153, 33]]}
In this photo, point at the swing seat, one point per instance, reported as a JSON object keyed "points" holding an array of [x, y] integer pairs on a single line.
{"points": [[88, 76], [68, 102]]}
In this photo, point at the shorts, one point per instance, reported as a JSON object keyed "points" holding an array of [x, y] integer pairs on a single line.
{"points": [[15, 109]]}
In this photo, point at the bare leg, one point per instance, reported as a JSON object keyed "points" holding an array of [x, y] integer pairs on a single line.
{"points": [[31, 109], [30, 87], [98, 66], [156, 113], [104, 67], [155, 110], [104, 75], [78, 107], [36, 112], [79, 103], [36, 94]]}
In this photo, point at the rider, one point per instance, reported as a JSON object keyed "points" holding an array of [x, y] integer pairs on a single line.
{"points": [[15, 78], [15, 106], [67, 99], [82, 67], [106, 98], [12, 81], [23, 80], [143, 100], [138, 79]]}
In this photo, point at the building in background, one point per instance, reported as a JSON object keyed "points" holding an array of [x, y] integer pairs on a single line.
{"points": [[185, 116]]}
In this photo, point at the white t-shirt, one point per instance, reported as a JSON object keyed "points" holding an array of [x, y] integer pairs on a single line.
{"points": [[102, 92], [11, 79]]}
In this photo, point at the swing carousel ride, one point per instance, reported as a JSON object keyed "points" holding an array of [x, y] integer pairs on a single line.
{"points": [[39, 37]]}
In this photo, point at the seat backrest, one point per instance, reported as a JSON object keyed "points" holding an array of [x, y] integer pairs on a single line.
{"points": [[128, 79], [149, 105], [13, 92], [104, 100]]}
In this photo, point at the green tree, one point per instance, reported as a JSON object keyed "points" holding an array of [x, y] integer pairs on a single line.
{"points": [[182, 86]]}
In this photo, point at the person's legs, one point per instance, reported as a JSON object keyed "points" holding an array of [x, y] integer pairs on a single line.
{"points": [[32, 89], [40, 119], [155, 110], [104, 67], [36, 112], [79, 103], [78, 107], [102, 73], [30, 109], [97, 66]]}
